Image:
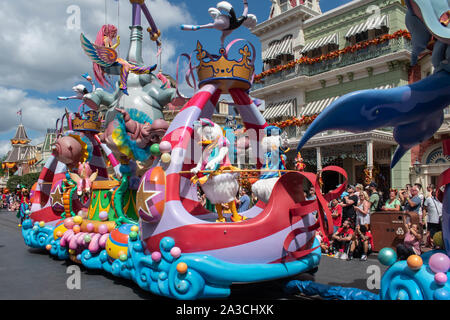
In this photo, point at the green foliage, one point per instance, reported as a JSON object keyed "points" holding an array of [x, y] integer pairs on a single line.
{"points": [[26, 180]]}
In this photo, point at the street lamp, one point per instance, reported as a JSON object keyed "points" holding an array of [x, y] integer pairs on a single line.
{"points": [[417, 166]]}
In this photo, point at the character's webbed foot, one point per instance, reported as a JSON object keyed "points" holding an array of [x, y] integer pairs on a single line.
{"points": [[238, 218]]}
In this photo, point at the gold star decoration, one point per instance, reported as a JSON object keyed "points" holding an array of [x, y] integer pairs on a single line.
{"points": [[57, 197], [142, 196]]}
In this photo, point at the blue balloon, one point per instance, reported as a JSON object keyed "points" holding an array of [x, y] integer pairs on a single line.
{"points": [[442, 294], [387, 256]]}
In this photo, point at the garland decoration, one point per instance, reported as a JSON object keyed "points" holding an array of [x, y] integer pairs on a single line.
{"points": [[335, 54]]}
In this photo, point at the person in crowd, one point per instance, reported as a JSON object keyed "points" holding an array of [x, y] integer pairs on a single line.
{"points": [[432, 210], [348, 203], [422, 199], [324, 242], [311, 194], [336, 214], [362, 209], [359, 188], [392, 204], [413, 201], [244, 201], [411, 242], [341, 240], [362, 243], [430, 189], [254, 199], [374, 197]]}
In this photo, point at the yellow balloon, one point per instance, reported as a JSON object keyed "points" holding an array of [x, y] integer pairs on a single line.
{"points": [[42, 224], [165, 157], [77, 220], [134, 228]]}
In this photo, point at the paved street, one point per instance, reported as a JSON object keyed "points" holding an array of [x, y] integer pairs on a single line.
{"points": [[27, 273]]}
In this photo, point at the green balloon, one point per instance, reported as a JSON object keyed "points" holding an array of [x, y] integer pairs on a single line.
{"points": [[123, 257], [154, 149], [438, 239], [133, 235]]}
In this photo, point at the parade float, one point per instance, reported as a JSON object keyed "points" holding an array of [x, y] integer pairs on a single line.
{"points": [[119, 192]]}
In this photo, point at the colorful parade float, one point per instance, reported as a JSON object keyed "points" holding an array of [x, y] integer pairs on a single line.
{"points": [[120, 191]]}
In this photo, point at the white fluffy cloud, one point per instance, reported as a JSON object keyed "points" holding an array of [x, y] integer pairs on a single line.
{"points": [[38, 114], [40, 52]]}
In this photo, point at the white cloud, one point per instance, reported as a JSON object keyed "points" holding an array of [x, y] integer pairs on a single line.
{"points": [[37, 114], [39, 52]]}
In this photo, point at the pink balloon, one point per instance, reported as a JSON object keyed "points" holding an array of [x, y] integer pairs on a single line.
{"points": [[175, 252], [440, 278], [165, 147], [103, 215], [90, 227], [68, 223], [156, 256], [102, 229], [439, 262]]}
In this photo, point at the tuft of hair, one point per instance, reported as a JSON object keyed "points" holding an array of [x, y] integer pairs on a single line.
{"points": [[213, 12], [224, 5], [251, 21]]}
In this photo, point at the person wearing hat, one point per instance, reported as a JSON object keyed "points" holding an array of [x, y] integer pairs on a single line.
{"points": [[374, 197], [348, 209], [25, 205]]}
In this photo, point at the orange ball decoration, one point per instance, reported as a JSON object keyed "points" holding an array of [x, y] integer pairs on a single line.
{"points": [[414, 262], [59, 234], [48, 247], [76, 228], [182, 267]]}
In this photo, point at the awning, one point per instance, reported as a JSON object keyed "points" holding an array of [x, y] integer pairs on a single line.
{"points": [[278, 48], [372, 23], [318, 106], [331, 39], [279, 109]]}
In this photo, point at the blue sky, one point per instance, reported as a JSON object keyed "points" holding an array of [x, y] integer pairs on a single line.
{"points": [[45, 58]]}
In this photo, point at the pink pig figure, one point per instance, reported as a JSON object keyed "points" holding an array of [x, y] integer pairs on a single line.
{"points": [[84, 178]]}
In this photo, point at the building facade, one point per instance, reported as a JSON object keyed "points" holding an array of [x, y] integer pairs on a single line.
{"points": [[21, 159], [311, 58]]}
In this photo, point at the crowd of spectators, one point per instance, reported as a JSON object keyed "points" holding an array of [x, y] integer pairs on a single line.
{"points": [[352, 237]]}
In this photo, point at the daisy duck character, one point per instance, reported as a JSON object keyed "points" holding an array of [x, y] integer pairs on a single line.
{"points": [[274, 160], [219, 187]]}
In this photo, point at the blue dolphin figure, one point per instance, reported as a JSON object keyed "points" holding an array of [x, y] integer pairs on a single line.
{"points": [[415, 111]]}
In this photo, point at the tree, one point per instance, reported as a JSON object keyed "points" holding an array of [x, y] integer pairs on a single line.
{"points": [[26, 180]]}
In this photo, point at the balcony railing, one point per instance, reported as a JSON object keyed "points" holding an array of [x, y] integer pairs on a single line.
{"points": [[371, 52]]}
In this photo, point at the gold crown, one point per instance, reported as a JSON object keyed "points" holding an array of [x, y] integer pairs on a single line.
{"points": [[224, 72], [88, 121]]}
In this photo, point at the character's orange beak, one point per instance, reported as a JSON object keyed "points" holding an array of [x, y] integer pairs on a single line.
{"points": [[205, 142]]}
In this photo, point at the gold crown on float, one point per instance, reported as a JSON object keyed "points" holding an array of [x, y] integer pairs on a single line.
{"points": [[228, 73], [87, 121]]}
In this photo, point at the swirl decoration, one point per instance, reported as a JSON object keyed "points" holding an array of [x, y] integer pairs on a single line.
{"points": [[189, 276], [400, 282], [36, 236]]}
